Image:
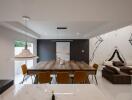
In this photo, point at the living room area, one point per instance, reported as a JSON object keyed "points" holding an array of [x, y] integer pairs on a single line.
{"points": [[65, 50], [111, 51]]}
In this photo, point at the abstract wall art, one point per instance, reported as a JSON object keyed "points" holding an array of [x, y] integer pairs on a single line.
{"points": [[97, 44], [130, 39]]}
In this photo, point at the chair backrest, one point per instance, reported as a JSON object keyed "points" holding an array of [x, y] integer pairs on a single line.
{"points": [[80, 77], [63, 78], [24, 69], [96, 67], [44, 77]]}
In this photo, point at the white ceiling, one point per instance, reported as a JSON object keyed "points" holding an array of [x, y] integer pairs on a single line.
{"points": [[75, 29], [66, 10], [84, 18]]}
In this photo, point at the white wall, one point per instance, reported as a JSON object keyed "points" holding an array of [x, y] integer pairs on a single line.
{"points": [[7, 41], [117, 38]]}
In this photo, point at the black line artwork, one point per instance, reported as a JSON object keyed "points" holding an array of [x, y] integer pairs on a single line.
{"points": [[97, 44], [119, 55], [130, 39]]}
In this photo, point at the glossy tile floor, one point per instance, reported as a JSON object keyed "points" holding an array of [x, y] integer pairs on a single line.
{"points": [[113, 92], [61, 92]]}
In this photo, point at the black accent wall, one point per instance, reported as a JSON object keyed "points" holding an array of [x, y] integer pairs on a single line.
{"points": [[79, 49], [46, 50]]}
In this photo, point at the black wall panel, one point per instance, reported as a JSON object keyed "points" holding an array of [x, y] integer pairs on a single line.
{"points": [[79, 49], [46, 50]]}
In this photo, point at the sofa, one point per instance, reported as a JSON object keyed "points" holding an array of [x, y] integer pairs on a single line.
{"points": [[116, 72], [116, 77]]}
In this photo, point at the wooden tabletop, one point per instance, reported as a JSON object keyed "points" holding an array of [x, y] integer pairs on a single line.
{"points": [[56, 66]]}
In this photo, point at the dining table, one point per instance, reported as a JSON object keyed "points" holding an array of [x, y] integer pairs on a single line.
{"points": [[54, 66]]}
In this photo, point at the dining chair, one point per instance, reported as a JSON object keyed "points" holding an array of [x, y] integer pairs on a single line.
{"points": [[63, 78], [96, 67], [81, 77], [44, 77], [25, 73]]}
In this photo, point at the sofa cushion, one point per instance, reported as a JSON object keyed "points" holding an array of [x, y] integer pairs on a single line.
{"points": [[109, 63], [110, 72], [118, 63], [112, 69], [127, 70], [117, 68]]}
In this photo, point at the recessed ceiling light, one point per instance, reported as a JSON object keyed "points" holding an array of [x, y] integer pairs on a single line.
{"points": [[25, 18], [61, 28]]}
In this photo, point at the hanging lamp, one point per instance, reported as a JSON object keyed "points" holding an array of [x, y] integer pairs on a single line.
{"points": [[25, 53]]}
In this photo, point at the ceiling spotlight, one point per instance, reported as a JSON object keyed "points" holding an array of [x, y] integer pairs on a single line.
{"points": [[61, 28], [25, 18]]}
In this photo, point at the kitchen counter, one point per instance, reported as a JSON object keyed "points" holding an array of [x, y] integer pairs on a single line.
{"points": [[61, 91], [5, 84]]}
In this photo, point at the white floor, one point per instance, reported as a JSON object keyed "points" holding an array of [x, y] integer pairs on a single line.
{"points": [[113, 92]]}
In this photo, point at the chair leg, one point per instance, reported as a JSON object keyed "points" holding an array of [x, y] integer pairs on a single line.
{"points": [[87, 81], [23, 79], [72, 78], [96, 79], [32, 79], [36, 80], [92, 77]]}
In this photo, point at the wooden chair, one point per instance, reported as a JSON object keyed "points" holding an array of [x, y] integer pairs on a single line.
{"points": [[81, 77], [44, 77], [63, 78], [96, 67], [24, 72]]}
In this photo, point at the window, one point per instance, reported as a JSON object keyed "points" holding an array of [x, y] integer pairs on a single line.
{"points": [[19, 46]]}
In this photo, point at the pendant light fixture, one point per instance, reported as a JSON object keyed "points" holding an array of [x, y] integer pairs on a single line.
{"points": [[25, 53]]}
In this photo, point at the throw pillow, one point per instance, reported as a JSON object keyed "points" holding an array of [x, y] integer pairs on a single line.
{"points": [[112, 69], [109, 63], [118, 63]]}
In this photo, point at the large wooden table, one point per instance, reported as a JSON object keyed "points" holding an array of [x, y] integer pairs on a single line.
{"points": [[54, 66]]}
